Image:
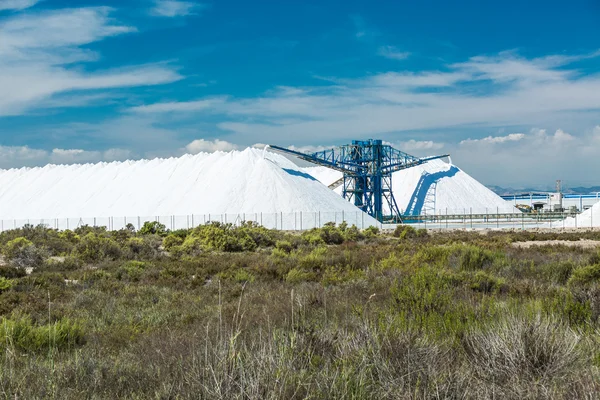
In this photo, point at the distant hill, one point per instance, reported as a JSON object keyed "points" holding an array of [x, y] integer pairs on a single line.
{"points": [[502, 191]]}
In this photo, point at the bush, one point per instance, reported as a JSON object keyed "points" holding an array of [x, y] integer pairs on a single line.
{"points": [[284, 246], [5, 284], [337, 275], [585, 276], [145, 247], [131, 271], [371, 232], [330, 234], [153, 228], [296, 275], [94, 248], [405, 232], [483, 282], [473, 258], [171, 241], [226, 237], [21, 253]]}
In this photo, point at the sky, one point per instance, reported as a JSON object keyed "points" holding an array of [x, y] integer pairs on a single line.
{"points": [[510, 89]]}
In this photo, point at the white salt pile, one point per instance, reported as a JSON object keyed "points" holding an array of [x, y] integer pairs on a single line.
{"points": [[590, 218], [236, 183], [434, 187]]}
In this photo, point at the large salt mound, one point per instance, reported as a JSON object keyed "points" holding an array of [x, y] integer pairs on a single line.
{"points": [[237, 183], [435, 185], [590, 218]]}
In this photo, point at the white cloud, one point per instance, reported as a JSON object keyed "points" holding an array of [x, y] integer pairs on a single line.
{"points": [[418, 145], [20, 156], [17, 4], [39, 54], [513, 137], [309, 148], [11, 156], [168, 107], [536, 159], [393, 53], [209, 146], [174, 8]]}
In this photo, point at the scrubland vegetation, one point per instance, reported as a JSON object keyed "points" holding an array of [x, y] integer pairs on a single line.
{"points": [[223, 312]]}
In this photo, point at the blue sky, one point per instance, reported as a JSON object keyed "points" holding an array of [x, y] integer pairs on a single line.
{"points": [[511, 89]]}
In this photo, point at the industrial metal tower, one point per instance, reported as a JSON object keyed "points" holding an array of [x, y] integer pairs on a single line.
{"points": [[367, 166]]}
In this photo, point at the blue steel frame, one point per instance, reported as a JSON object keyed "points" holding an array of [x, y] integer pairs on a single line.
{"points": [[367, 166]]}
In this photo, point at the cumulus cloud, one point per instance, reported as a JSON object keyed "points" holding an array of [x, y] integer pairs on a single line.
{"points": [[11, 155], [17, 4], [40, 53], [174, 8], [513, 137], [209, 146], [535, 160], [24, 156], [503, 90], [419, 145]]}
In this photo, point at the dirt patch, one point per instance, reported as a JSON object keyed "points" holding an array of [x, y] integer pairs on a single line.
{"points": [[583, 243]]}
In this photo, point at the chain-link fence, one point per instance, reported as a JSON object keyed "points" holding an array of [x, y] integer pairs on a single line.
{"points": [[298, 221]]}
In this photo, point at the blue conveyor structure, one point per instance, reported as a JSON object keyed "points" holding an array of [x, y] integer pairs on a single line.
{"points": [[367, 166]]}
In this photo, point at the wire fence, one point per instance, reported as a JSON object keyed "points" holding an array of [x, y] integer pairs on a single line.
{"points": [[299, 221], [295, 221]]}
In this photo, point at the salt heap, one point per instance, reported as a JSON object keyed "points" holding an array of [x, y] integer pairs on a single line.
{"points": [[248, 183], [434, 187], [590, 218]]}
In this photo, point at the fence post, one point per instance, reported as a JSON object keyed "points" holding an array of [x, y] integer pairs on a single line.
{"points": [[497, 217], [300, 220]]}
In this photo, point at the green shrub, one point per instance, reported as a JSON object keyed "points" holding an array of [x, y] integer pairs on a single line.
{"points": [[22, 253], [337, 275], [94, 248], [131, 271], [228, 238], [296, 275], [313, 261], [371, 232], [5, 284], [473, 258], [424, 292], [585, 276], [145, 247], [284, 246], [405, 232], [483, 282], [171, 241], [313, 237], [153, 228], [241, 275]]}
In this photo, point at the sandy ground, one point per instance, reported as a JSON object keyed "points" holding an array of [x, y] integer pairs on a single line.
{"points": [[583, 243]]}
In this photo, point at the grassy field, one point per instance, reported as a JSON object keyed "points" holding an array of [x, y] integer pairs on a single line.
{"points": [[247, 313]]}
